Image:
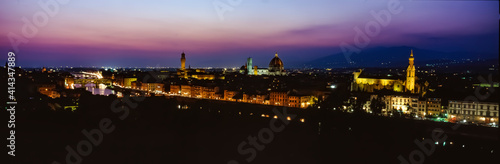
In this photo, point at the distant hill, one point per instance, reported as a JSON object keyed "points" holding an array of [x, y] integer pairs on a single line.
{"points": [[392, 57]]}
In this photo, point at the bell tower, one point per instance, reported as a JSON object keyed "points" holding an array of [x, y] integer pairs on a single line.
{"points": [[249, 66], [183, 61], [410, 75]]}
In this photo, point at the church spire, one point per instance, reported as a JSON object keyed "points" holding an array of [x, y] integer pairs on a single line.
{"points": [[411, 55]]}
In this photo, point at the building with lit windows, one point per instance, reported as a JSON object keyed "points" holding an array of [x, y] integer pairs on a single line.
{"points": [[196, 91], [210, 92], [278, 98], [433, 106], [229, 95], [186, 90], [403, 104], [275, 98], [291, 99], [409, 105], [255, 98], [175, 89], [475, 112], [153, 87]]}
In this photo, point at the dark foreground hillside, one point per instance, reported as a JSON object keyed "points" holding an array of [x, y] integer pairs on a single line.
{"points": [[157, 131]]}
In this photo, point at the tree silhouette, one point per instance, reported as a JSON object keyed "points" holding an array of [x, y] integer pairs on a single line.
{"points": [[377, 105]]}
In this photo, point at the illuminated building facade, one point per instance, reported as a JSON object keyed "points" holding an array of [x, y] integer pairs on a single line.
{"points": [[404, 104], [228, 95], [175, 89], [69, 83], [127, 82], [366, 83], [152, 87], [409, 105], [210, 92], [186, 90], [276, 98], [48, 90], [155, 87], [256, 99], [433, 106], [290, 99], [276, 68], [476, 112]]}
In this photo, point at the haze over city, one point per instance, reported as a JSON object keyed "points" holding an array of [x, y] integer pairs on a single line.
{"points": [[154, 33]]}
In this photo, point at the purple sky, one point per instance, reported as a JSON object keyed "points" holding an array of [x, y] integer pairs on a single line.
{"points": [[154, 32]]}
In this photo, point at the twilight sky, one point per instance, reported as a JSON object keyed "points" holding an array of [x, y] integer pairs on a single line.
{"points": [[154, 33]]}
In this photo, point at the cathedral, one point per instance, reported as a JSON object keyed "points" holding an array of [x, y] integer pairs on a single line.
{"points": [[367, 83], [276, 68]]}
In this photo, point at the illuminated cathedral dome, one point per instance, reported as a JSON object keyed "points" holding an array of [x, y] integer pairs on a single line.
{"points": [[276, 64]]}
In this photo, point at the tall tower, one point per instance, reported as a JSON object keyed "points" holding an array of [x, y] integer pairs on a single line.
{"points": [[410, 75], [249, 66], [183, 61]]}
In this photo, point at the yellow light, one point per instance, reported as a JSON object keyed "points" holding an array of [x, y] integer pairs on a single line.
{"points": [[263, 115], [302, 120], [288, 118], [275, 117]]}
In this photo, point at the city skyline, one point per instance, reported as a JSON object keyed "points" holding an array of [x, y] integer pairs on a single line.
{"points": [[128, 34], [250, 81]]}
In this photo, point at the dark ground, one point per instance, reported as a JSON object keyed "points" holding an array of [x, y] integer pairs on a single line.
{"points": [[158, 132]]}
